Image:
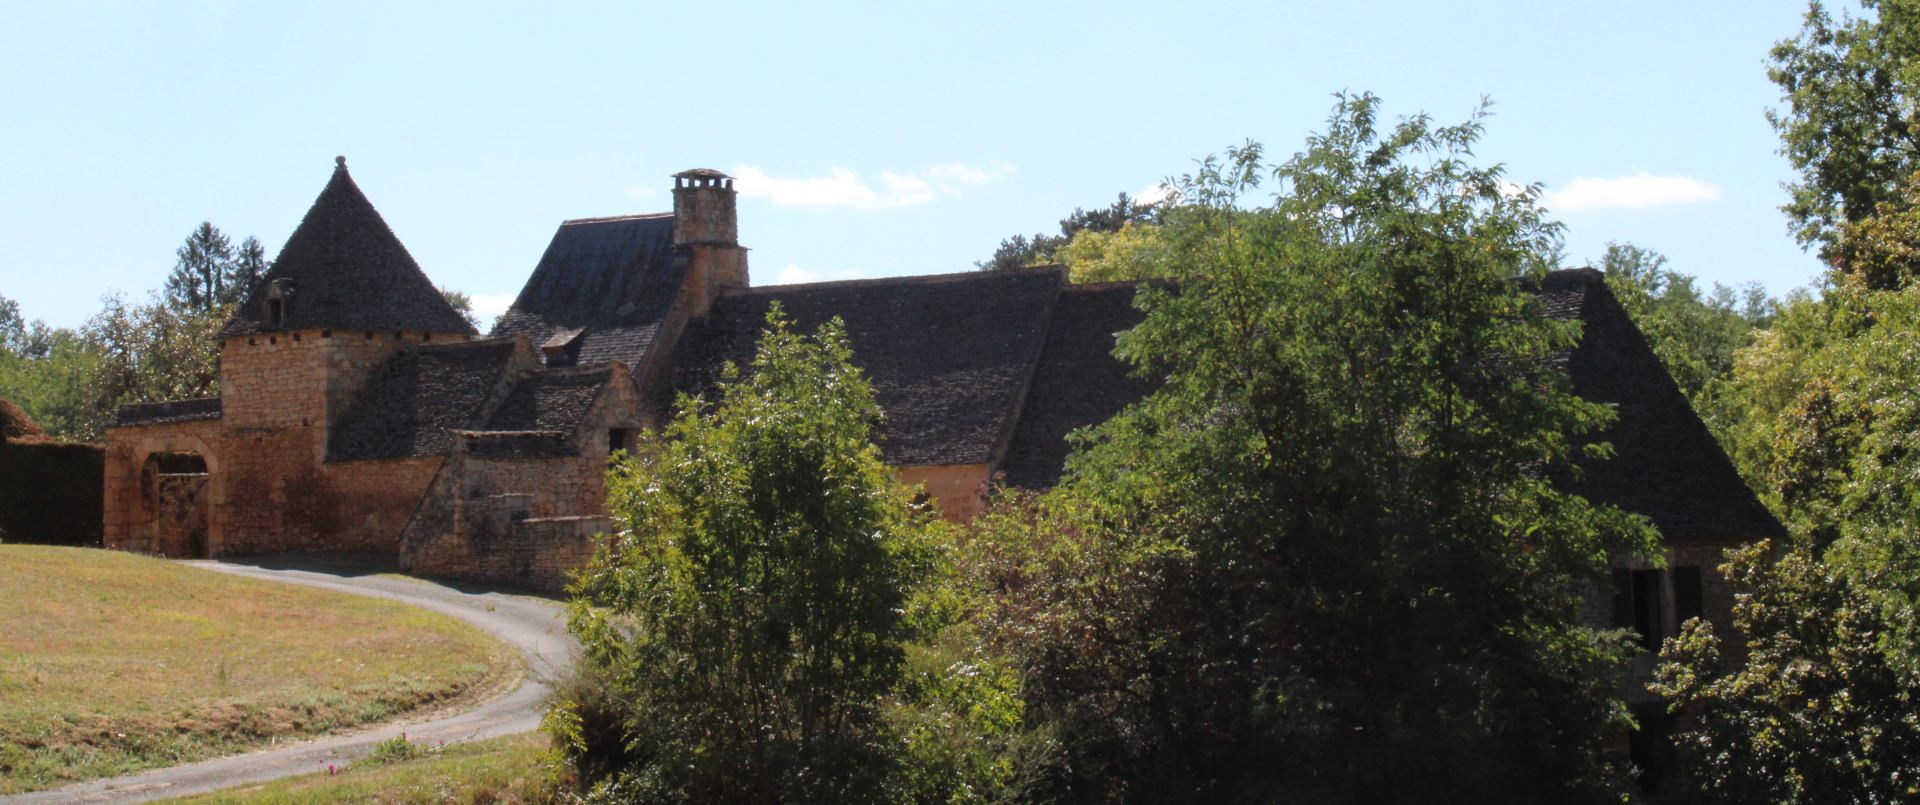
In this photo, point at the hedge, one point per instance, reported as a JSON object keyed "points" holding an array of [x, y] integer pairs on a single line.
{"points": [[50, 492]]}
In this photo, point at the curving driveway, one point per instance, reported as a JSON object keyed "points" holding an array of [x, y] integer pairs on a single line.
{"points": [[535, 626]]}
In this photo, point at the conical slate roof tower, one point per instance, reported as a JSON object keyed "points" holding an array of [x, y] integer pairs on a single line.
{"points": [[343, 269]]}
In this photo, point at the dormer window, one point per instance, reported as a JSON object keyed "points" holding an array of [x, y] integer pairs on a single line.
{"points": [[278, 291]]}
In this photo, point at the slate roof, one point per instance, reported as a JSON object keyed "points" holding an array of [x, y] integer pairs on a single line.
{"points": [[605, 284], [345, 270], [1666, 465], [551, 400], [160, 413], [413, 403], [949, 356], [1078, 382]]}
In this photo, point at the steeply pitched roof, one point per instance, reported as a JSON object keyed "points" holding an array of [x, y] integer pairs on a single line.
{"points": [[948, 355], [605, 285], [342, 268], [551, 400], [1078, 382], [159, 413], [1666, 465], [413, 403]]}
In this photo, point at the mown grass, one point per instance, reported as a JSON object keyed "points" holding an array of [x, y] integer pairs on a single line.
{"points": [[112, 663], [510, 769]]}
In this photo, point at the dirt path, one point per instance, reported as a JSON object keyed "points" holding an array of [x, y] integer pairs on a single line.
{"points": [[535, 626]]}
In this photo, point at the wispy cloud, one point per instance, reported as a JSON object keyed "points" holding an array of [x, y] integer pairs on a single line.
{"points": [[793, 274], [489, 306], [842, 188], [1153, 194], [1638, 191]]}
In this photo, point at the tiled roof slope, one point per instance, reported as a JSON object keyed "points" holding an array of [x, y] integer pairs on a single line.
{"points": [[346, 270], [1666, 465], [551, 400], [948, 356], [160, 413], [611, 281], [413, 403], [1078, 382], [14, 423]]}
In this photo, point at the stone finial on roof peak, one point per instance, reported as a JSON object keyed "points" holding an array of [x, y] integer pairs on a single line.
{"points": [[340, 163]]}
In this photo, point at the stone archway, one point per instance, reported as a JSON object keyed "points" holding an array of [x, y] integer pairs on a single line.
{"points": [[175, 501]]}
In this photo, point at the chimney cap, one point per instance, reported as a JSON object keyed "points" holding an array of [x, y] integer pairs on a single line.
{"points": [[701, 173]]}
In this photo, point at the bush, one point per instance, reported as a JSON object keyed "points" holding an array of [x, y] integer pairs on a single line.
{"points": [[50, 493]]}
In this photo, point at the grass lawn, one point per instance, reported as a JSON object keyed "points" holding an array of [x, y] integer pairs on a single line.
{"points": [[111, 663], [508, 769]]}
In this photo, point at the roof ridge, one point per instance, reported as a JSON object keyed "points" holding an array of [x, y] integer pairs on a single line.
{"points": [[906, 279], [609, 219]]}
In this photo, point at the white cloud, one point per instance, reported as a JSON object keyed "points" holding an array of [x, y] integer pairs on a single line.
{"points": [[842, 188], [794, 275], [1638, 191], [1153, 194], [489, 306]]}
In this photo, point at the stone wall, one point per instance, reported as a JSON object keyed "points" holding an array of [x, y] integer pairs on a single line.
{"points": [[494, 539], [960, 490]]}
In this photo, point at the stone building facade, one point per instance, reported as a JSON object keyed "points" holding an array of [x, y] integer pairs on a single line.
{"points": [[358, 411]]}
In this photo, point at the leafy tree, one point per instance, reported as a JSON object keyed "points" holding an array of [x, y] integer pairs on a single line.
{"points": [[1020, 251], [752, 613], [1852, 89], [1323, 561], [462, 304], [1133, 252], [1811, 709], [1695, 334]]}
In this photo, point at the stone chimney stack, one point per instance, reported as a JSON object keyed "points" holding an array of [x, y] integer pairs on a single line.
{"points": [[703, 209], [705, 223]]}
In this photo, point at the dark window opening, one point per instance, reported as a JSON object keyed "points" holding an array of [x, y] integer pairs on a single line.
{"points": [[1651, 749], [179, 464], [273, 339], [296, 338], [1686, 593], [1636, 605], [369, 335], [274, 311], [399, 336], [619, 439], [426, 336], [326, 333]]}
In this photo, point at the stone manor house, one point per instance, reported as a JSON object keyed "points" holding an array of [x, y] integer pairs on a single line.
{"points": [[358, 411]]}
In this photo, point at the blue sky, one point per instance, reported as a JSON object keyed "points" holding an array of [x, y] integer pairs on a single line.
{"points": [[872, 139]]}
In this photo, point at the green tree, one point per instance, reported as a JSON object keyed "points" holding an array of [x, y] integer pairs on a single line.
{"points": [[1852, 92], [250, 263], [463, 305], [202, 277], [1020, 251], [1695, 334], [1323, 562], [752, 613], [1811, 709], [1132, 252]]}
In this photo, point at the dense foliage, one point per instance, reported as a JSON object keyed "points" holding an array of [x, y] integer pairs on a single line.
{"points": [[752, 616], [1021, 251], [1813, 711], [1321, 562], [1852, 92]]}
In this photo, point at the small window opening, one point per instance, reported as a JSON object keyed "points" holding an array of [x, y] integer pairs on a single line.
{"points": [[273, 339], [251, 342], [1686, 593], [275, 312], [424, 337], [296, 338], [398, 336], [369, 335], [1636, 605], [619, 439], [326, 333]]}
